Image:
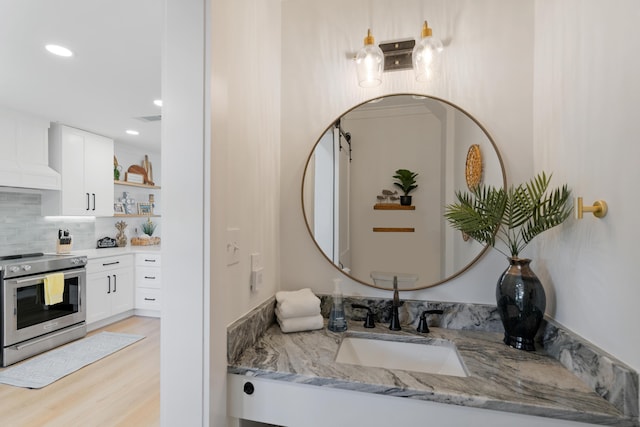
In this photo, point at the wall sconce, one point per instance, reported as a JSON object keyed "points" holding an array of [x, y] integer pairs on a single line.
{"points": [[372, 60], [397, 54], [599, 208], [424, 53], [369, 62]]}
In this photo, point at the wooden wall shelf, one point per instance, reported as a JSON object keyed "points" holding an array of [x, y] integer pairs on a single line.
{"points": [[133, 184], [394, 229], [393, 207]]}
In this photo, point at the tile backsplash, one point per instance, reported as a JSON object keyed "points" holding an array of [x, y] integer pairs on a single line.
{"points": [[23, 229]]}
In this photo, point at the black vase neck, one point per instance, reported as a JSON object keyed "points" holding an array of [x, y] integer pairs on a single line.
{"points": [[519, 261]]}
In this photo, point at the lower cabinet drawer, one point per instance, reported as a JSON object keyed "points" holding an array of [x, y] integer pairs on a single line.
{"points": [[148, 260], [148, 277], [148, 299]]}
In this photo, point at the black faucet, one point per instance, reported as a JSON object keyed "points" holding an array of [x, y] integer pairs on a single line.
{"points": [[422, 325], [368, 321], [394, 325]]}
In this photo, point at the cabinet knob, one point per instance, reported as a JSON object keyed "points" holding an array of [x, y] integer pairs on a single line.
{"points": [[248, 388]]}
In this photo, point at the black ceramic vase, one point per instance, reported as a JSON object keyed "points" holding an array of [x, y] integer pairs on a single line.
{"points": [[405, 200], [521, 304]]}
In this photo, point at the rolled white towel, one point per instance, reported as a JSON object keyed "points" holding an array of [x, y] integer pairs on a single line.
{"points": [[298, 324], [297, 303]]}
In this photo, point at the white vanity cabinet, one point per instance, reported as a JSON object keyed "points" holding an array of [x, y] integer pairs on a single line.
{"points": [[110, 288], [290, 404], [148, 284], [85, 162]]}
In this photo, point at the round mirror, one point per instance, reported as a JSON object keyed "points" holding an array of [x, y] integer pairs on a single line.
{"points": [[352, 206]]}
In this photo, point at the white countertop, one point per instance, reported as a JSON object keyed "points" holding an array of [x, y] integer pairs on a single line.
{"points": [[106, 252]]}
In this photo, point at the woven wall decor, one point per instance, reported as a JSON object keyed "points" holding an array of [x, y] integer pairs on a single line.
{"points": [[473, 168]]}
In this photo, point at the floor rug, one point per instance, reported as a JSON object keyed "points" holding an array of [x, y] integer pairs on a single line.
{"points": [[46, 368]]}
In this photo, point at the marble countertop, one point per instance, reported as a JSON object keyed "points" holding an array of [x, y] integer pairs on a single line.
{"points": [[500, 378]]}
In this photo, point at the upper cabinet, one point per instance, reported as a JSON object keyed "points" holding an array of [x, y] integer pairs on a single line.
{"points": [[25, 162], [85, 162]]}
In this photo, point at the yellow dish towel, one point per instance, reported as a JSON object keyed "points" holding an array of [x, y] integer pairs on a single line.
{"points": [[53, 288]]}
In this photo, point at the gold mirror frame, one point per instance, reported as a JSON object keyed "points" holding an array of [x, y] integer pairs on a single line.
{"points": [[471, 173]]}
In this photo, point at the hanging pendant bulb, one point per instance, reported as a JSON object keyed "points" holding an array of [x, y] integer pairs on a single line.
{"points": [[369, 63], [425, 53]]}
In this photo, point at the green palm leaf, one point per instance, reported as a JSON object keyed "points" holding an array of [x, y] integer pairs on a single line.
{"points": [[514, 217]]}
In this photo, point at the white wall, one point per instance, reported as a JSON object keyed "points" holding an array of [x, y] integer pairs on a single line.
{"points": [[220, 153], [184, 335], [586, 131], [458, 252], [487, 70], [378, 151], [245, 167], [246, 143], [580, 125]]}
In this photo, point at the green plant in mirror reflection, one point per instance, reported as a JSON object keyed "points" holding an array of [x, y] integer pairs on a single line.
{"points": [[406, 180]]}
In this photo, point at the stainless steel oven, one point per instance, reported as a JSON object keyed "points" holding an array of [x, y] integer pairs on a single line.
{"points": [[28, 324]]}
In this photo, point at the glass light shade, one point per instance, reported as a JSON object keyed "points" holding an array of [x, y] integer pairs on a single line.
{"points": [[369, 63], [425, 54], [59, 50]]}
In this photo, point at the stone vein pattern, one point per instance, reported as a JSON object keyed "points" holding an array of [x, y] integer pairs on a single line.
{"points": [[500, 378], [477, 317], [245, 332], [600, 373], [609, 377]]}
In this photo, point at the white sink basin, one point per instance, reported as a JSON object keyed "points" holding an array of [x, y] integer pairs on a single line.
{"points": [[441, 359]]}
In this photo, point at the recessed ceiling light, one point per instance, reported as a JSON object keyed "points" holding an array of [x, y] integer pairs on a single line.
{"points": [[58, 50], [158, 102], [133, 132]]}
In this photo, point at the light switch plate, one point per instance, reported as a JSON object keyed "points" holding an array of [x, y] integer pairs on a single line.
{"points": [[233, 246], [256, 261]]}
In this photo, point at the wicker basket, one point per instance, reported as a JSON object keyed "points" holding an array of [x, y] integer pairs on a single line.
{"points": [[140, 241]]}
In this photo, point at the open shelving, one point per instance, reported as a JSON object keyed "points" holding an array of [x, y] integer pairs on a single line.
{"points": [[134, 184]]}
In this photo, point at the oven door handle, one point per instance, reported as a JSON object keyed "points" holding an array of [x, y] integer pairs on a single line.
{"points": [[30, 279], [47, 337], [39, 278]]}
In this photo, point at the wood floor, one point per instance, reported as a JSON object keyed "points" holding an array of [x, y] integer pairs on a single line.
{"points": [[122, 389]]}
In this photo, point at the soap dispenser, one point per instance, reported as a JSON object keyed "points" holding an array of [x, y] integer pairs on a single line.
{"points": [[337, 320]]}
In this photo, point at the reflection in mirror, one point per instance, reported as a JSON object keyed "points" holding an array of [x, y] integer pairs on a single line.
{"points": [[359, 227]]}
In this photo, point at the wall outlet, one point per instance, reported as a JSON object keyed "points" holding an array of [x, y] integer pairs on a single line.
{"points": [[256, 280]]}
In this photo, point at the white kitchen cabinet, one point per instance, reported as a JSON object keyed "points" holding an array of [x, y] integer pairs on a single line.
{"points": [[85, 162], [148, 284], [110, 287]]}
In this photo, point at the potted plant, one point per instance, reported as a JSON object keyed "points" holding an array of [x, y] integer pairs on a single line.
{"points": [[406, 181], [513, 218], [148, 227]]}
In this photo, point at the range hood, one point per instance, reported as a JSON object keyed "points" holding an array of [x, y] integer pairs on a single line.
{"points": [[29, 175], [24, 144]]}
